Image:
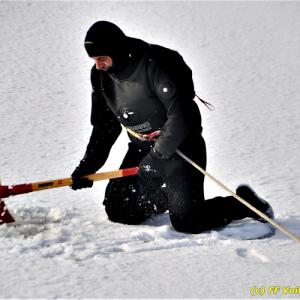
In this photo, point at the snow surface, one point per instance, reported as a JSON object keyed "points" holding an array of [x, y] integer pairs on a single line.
{"points": [[245, 58]]}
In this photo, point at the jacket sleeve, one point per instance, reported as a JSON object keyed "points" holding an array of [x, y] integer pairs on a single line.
{"points": [[106, 129], [173, 86]]}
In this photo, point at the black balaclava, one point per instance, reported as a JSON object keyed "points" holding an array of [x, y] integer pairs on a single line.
{"points": [[107, 39]]}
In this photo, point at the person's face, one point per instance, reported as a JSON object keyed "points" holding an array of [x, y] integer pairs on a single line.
{"points": [[103, 63]]}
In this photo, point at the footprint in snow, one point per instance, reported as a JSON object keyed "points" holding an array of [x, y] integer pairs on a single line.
{"points": [[250, 254]]}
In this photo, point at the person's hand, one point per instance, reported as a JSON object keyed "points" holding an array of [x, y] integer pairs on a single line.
{"points": [[149, 167], [78, 182]]}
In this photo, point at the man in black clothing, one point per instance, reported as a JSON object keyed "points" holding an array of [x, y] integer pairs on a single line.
{"points": [[149, 89]]}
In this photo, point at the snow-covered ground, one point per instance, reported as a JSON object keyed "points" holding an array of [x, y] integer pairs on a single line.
{"points": [[245, 58]]}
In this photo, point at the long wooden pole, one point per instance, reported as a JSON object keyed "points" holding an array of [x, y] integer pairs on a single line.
{"points": [[219, 183], [278, 226]]}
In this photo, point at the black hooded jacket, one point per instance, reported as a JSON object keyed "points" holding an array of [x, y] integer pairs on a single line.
{"points": [[153, 91]]}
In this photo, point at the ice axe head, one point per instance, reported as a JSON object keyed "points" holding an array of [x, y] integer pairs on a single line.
{"points": [[5, 216]]}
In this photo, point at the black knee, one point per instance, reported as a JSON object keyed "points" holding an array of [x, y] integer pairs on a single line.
{"points": [[186, 224], [196, 223], [125, 214], [123, 203]]}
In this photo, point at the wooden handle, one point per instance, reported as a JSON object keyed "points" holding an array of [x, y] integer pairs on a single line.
{"points": [[6, 191], [113, 174]]}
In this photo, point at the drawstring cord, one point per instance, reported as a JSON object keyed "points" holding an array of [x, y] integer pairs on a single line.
{"points": [[207, 104]]}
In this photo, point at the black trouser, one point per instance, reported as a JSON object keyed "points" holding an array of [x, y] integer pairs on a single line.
{"points": [[179, 189]]}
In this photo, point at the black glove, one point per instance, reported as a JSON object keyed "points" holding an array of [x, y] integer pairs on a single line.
{"points": [[150, 166], [78, 182]]}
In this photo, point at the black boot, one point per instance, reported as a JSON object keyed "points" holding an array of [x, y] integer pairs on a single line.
{"points": [[249, 195]]}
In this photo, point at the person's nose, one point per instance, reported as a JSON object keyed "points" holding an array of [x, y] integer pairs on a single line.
{"points": [[99, 64]]}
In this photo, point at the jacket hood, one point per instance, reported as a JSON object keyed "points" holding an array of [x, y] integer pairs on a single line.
{"points": [[106, 39]]}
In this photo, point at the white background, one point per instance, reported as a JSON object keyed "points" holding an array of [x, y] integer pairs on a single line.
{"points": [[245, 58]]}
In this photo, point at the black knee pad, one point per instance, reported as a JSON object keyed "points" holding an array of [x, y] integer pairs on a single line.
{"points": [[124, 204], [126, 214], [129, 201]]}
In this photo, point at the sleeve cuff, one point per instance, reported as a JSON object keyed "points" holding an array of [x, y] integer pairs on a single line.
{"points": [[154, 152]]}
